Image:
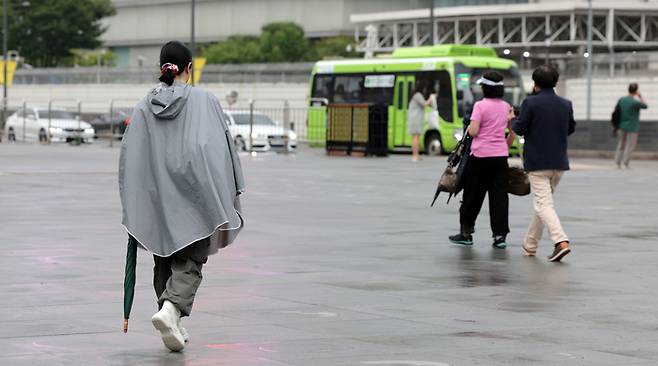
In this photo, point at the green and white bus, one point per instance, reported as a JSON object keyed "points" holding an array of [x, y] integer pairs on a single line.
{"points": [[450, 70]]}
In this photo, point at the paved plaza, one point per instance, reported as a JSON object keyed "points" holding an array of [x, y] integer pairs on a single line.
{"points": [[342, 262]]}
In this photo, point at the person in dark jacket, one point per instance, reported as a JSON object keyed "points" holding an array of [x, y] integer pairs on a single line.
{"points": [[545, 121]]}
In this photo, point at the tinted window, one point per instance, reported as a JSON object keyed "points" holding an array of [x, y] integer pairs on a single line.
{"points": [[55, 114], [348, 89], [259, 119], [19, 113], [439, 83], [465, 78], [322, 87]]}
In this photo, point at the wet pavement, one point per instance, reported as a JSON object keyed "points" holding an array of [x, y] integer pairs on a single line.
{"points": [[342, 263]]}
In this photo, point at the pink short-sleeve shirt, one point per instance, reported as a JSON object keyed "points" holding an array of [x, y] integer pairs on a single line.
{"points": [[493, 115]]}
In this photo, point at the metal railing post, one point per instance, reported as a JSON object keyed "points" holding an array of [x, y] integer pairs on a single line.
{"points": [[79, 117], [251, 126], [50, 117], [24, 118], [286, 114], [111, 122]]}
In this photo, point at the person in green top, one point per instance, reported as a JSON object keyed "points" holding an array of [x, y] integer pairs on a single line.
{"points": [[629, 124]]}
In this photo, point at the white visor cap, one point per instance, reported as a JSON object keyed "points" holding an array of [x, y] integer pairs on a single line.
{"points": [[483, 81]]}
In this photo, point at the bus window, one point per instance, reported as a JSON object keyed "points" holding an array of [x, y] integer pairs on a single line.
{"points": [[443, 90], [322, 87], [439, 83], [347, 89], [465, 78], [378, 88]]}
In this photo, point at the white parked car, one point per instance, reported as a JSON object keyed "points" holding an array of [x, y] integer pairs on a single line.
{"points": [[266, 135], [33, 124]]}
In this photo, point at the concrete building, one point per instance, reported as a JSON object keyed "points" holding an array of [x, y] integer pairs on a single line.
{"points": [[140, 27]]}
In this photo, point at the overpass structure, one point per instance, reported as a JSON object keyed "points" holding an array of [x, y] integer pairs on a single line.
{"points": [[555, 28]]}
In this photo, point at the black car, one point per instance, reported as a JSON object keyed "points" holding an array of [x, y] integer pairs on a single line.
{"points": [[119, 120]]}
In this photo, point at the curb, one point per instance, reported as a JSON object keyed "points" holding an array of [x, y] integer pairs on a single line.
{"points": [[605, 154]]}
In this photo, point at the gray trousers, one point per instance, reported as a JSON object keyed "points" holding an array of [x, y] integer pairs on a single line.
{"points": [[625, 147], [177, 278]]}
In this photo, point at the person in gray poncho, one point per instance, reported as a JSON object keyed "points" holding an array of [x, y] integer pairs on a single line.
{"points": [[180, 180]]}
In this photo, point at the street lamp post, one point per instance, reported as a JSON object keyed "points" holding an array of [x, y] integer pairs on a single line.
{"points": [[589, 59], [5, 35]]}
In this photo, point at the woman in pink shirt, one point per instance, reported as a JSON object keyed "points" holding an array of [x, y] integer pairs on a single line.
{"points": [[486, 169]]}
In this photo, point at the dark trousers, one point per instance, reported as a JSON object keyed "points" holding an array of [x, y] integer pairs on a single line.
{"points": [[485, 176], [177, 278]]}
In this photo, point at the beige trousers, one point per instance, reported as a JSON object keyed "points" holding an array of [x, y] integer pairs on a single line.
{"points": [[542, 185], [625, 147]]}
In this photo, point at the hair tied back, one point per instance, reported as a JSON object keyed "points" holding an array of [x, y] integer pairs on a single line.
{"points": [[169, 66]]}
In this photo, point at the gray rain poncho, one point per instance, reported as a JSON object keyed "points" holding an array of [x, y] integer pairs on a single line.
{"points": [[179, 175]]}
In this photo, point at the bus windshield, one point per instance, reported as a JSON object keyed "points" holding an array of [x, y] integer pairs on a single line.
{"points": [[468, 92]]}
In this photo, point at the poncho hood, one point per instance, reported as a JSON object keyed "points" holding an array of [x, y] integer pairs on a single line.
{"points": [[166, 102], [179, 174]]}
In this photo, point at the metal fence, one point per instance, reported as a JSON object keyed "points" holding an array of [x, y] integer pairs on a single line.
{"points": [[244, 73], [257, 125]]}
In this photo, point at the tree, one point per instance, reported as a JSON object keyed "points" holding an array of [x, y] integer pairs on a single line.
{"points": [[235, 50], [335, 47], [90, 58], [284, 42], [45, 32]]}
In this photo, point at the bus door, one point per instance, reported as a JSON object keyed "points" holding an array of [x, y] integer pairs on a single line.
{"points": [[404, 85]]}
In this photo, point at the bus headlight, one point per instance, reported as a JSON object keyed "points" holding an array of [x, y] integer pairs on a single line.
{"points": [[458, 134], [522, 140]]}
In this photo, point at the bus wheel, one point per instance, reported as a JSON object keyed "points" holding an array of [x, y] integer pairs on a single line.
{"points": [[433, 145]]}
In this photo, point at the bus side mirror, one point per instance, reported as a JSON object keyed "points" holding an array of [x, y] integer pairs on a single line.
{"points": [[460, 94]]}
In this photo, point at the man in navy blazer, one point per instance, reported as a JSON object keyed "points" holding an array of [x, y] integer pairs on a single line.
{"points": [[545, 121]]}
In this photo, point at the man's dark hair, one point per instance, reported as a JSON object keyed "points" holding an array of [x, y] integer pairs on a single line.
{"points": [[489, 91], [545, 77], [632, 88]]}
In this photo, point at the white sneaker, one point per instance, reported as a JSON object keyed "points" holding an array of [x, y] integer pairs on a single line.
{"points": [[166, 321], [183, 331]]}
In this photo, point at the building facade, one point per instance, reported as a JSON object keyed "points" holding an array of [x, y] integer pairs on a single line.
{"points": [[140, 27]]}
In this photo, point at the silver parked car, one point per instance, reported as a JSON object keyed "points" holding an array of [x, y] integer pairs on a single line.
{"points": [[38, 124], [267, 134]]}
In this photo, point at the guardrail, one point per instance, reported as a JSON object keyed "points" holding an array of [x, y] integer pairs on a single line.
{"points": [[257, 125]]}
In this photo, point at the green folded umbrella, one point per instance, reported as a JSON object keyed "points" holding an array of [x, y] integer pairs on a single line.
{"points": [[129, 281]]}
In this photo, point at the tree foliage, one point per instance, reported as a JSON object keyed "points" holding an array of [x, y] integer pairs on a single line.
{"points": [[235, 50], [340, 46], [46, 31], [278, 42], [284, 42], [91, 58]]}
